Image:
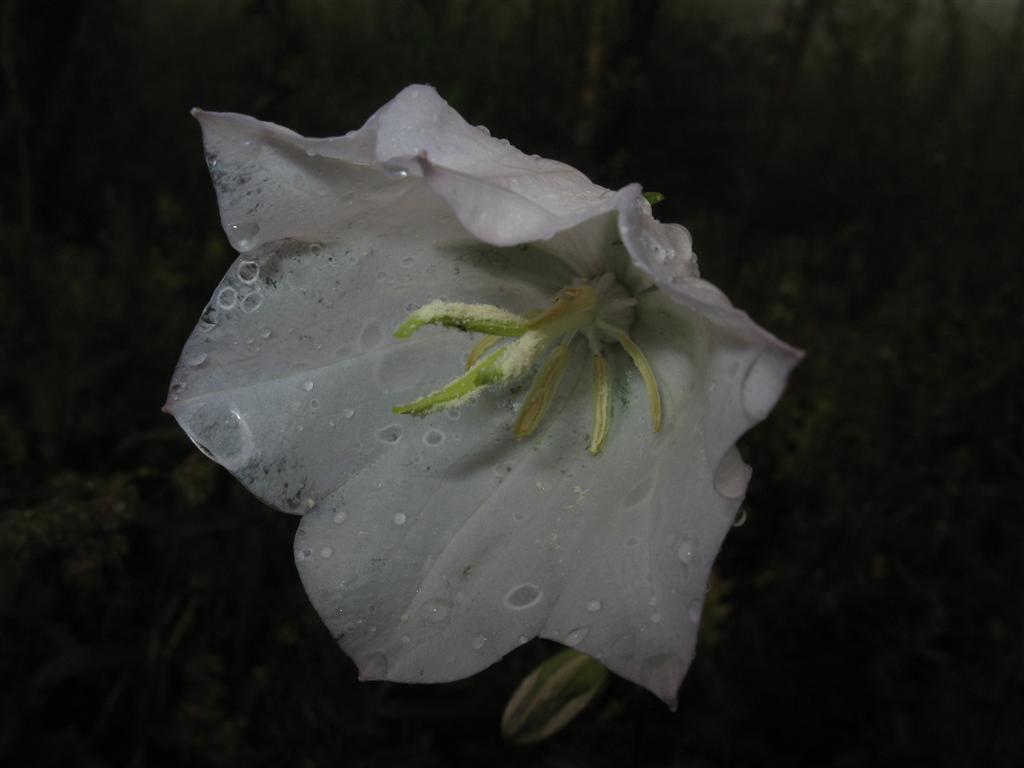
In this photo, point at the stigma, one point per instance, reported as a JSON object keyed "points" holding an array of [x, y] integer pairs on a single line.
{"points": [[598, 313]]}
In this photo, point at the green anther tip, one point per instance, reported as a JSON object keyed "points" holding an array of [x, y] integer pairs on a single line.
{"points": [[654, 197]]}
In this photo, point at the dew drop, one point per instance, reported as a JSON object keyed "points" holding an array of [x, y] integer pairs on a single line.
{"points": [[639, 492], [732, 475], [251, 302], [248, 271], [576, 636], [631, 542], [433, 437], [220, 431], [265, 333], [371, 336], [227, 298], [655, 618], [348, 413], [435, 610], [395, 170], [479, 641], [315, 249], [374, 667], [523, 596], [326, 552], [243, 236], [399, 518], [307, 385], [405, 639], [594, 606], [523, 640], [763, 384], [741, 518], [340, 516], [391, 434], [687, 549], [197, 359], [302, 554]]}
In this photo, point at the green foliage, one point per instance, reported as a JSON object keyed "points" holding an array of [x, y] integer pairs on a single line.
{"points": [[850, 170]]}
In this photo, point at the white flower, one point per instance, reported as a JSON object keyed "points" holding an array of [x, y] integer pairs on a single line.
{"points": [[548, 503]]}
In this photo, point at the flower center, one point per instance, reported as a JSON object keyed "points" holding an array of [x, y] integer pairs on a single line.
{"points": [[599, 311]]}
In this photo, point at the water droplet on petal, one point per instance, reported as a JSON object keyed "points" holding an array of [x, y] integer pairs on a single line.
{"points": [[687, 549], [594, 606], [405, 639], [523, 596], [348, 413], [373, 667], [265, 333], [741, 518], [399, 518], [392, 433], [251, 302], [307, 385], [220, 431], [302, 554], [243, 236], [340, 516], [433, 437], [763, 384], [576, 636], [732, 475], [371, 335], [655, 618], [631, 542], [395, 171], [197, 359], [227, 297], [326, 552], [479, 641], [248, 271], [435, 610], [639, 492]]}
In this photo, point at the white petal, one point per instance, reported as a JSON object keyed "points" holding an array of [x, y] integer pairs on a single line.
{"points": [[506, 540], [432, 547], [290, 376]]}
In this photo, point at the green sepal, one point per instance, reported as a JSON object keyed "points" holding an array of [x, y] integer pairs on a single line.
{"points": [[551, 696]]}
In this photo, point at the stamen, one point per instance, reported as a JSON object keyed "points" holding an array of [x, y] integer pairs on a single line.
{"points": [[569, 312], [542, 391], [480, 375], [602, 405], [480, 348], [647, 374], [509, 362], [481, 318]]}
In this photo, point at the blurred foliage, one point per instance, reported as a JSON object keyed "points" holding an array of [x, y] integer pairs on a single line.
{"points": [[851, 171]]}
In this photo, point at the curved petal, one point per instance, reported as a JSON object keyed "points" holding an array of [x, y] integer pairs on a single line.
{"points": [[431, 547], [289, 378], [749, 367], [495, 541]]}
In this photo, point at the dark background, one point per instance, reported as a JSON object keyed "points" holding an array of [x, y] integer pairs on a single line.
{"points": [[851, 171]]}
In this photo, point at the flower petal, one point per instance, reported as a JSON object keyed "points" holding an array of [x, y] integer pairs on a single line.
{"points": [[289, 378], [431, 547], [502, 541]]}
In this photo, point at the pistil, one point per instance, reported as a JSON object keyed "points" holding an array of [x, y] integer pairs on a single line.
{"points": [[600, 311]]}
